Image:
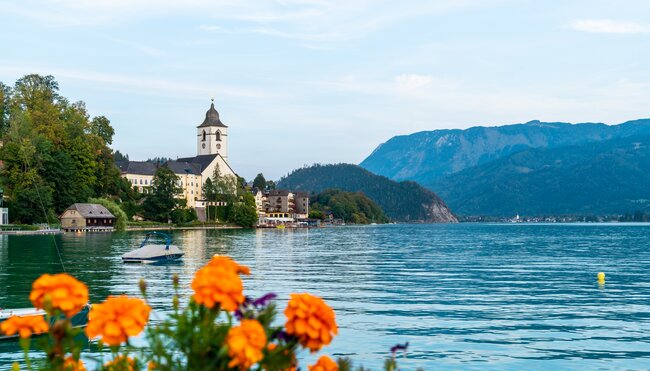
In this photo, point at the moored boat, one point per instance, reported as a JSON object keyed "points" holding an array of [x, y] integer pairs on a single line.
{"points": [[78, 320], [155, 253]]}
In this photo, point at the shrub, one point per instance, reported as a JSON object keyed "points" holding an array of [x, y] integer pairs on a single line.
{"points": [[120, 216]]}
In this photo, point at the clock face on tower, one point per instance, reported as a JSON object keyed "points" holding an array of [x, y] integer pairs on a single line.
{"points": [[203, 145], [218, 146]]}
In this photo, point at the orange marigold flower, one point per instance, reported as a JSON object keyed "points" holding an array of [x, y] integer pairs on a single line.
{"points": [[61, 291], [310, 320], [324, 363], [218, 284], [24, 326], [117, 318], [120, 363], [226, 262], [245, 344], [70, 364]]}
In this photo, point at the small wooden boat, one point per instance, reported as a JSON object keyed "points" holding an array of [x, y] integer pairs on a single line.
{"points": [[78, 320], [153, 253]]}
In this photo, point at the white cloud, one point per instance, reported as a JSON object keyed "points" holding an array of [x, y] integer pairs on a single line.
{"points": [[609, 26], [412, 82], [143, 84], [145, 49], [302, 20]]}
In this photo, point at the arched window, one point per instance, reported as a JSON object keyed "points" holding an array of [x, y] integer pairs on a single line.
{"points": [[204, 135], [218, 135]]}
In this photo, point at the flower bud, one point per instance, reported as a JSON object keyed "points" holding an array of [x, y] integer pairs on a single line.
{"points": [[143, 286], [175, 280]]}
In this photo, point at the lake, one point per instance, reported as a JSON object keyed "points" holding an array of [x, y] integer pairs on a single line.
{"points": [[465, 296]]}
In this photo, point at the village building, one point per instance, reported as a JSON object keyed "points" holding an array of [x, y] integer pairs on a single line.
{"points": [[138, 173], [211, 152], [87, 217], [281, 207]]}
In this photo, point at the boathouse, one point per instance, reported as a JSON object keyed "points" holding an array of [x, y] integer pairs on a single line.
{"points": [[87, 217]]}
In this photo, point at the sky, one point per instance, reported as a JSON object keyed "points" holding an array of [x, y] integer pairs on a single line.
{"points": [[314, 81]]}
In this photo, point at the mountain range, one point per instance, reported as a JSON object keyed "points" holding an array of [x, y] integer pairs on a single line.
{"points": [[533, 168], [400, 201]]}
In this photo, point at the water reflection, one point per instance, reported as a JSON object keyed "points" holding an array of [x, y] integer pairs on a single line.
{"points": [[464, 296]]}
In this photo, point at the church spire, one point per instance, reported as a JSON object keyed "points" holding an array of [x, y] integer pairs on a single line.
{"points": [[212, 117]]}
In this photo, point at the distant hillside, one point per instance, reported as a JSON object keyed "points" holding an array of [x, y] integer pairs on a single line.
{"points": [[405, 201], [595, 178], [427, 156], [352, 207]]}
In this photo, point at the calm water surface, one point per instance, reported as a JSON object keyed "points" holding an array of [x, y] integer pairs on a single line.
{"points": [[467, 296]]}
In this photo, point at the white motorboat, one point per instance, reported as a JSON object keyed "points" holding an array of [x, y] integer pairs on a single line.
{"points": [[153, 253]]}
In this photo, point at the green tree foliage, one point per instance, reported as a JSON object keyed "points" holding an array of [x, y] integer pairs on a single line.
{"points": [[259, 182], [210, 195], [404, 201], [225, 186], [316, 214], [101, 127], [270, 184], [115, 209], [240, 204], [602, 178], [243, 215], [118, 156], [159, 205], [5, 93], [349, 206], [52, 149], [158, 160]]}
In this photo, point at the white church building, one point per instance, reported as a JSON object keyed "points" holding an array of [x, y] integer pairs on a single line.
{"points": [[211, 150]]}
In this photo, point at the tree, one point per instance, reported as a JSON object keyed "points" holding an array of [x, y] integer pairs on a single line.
{"points": [[162, 201], [209, 195], [52, 144], [101, 127], [244, 215], [115, 209], [118, 156], [270, 184], [259, 182], [224, 185], [5, 93]]}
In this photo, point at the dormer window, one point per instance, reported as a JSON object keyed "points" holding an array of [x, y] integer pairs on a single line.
{"points": [[203, 135]]}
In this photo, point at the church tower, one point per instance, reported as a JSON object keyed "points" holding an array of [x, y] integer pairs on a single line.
{"points": [[212, 135]]}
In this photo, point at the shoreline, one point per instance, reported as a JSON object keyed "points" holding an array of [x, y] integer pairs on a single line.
{"points": [[166, 228], [128, 229]]}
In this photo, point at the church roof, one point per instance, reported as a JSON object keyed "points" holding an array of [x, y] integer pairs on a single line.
{"points": [[203, 161], [137, 167], [212, 118], [184, 167]]}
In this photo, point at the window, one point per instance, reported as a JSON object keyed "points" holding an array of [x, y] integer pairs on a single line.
{"points": [[204, 135], [218, 135], [146, 181], [140, 181]]}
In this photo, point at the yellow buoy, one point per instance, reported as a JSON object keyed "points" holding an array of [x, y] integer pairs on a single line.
{"points": [[601, 277]]}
